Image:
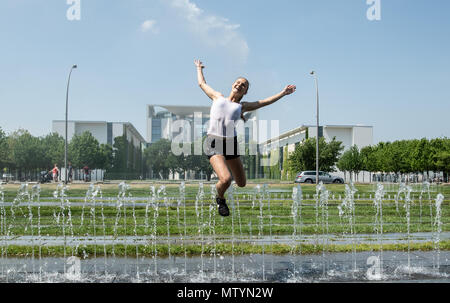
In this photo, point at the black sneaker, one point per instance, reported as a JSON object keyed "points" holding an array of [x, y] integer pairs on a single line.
{"points": [[223, 207]]}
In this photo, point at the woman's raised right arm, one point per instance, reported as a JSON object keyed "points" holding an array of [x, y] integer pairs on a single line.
{"points": [[211, 93]]}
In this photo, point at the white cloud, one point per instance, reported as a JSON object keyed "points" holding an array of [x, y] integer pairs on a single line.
{"points": [[215, 31], [149, 25]]}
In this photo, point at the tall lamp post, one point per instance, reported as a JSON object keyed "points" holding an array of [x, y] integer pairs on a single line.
{"points": [[67, 105], [313, 73]]}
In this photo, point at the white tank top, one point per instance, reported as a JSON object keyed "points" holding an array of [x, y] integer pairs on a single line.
{"points": [[224, 115]]}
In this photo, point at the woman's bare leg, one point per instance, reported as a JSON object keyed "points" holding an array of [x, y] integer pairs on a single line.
{"points": [[220, 167], [237, 169]]}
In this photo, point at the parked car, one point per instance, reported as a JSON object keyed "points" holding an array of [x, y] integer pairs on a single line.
{"points": [[309, 176]]}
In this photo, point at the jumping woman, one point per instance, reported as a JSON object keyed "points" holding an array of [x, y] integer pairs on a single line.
{"points": [[225, 112]]}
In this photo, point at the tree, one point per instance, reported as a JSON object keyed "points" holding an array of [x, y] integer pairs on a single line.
{"points": [[157, 157], [285, 172], [351, 161], [26, 152], [85, 150], [329, 154], [54, 147], [441, 155], [249, 161], [120, 152], [105, 160], [201, 162], [344, 164], [421, 156], [368, 160], [304, 155], [193, 162], [5, 159], [123, 160]]}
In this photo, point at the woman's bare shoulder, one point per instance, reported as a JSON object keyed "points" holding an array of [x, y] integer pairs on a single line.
{"points": [[218, 96]]}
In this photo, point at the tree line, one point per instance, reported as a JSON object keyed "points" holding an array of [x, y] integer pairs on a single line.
{"points": [[400, 157], [162, 162], [27, 155]]}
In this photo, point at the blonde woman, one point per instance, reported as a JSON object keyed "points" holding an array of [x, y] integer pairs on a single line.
{"points": [[225, 112]]}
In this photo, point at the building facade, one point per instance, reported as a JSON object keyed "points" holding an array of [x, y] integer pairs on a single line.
{"points": [[349, 135], [131, 164], [104, 132], [190, 124], [186, 123]]}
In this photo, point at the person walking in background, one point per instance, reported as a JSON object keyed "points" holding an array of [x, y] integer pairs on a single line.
{"points": [[55, 173], [86, 173], [70, 172]]}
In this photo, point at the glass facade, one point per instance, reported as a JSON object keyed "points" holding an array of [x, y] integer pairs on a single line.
{"points": [[156, 130]]}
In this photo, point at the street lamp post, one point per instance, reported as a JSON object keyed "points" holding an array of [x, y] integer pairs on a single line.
{"points": [[313, 73], [67, 105]]}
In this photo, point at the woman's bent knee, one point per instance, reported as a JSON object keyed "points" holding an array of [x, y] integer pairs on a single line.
{"points": [[242, 183], [226, 181]]}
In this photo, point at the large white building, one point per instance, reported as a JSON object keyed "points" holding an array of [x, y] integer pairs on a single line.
{"points": [[103, 131], [349, 135]]}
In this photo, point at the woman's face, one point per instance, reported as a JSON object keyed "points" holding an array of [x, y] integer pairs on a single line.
{"points": [[240, 86]]}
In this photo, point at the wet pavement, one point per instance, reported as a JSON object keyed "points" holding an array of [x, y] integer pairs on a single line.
{"points": [[337, 267]]}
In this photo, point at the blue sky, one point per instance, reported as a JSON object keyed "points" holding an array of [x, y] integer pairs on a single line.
{"points": [[393, 74]]}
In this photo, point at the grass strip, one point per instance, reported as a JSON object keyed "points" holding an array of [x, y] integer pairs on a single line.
{"points": [[120, 250]]}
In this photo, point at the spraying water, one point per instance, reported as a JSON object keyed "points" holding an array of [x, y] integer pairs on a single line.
{"points": [[322, 198], [30, 224], [91, 196], [121, 203], [182, 203], [406, 191], [60, 193], [9, 223], [167, 204], [35, 197], [240, 229], [231, 199], [135, 235], [426, 189], [297, 224], [155, 230], [212, 209], [102, 213], [148, 205], [347, 211], [199, 213], [378, 226], [437, 230], [3, 226], [266, 193], [261, 227], [162, 195]]}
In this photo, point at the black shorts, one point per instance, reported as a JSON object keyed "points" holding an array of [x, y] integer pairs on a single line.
{"points": [[218, 146]]}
